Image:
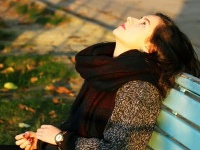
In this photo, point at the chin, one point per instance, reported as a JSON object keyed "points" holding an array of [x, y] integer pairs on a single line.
{"points": [[116, 33]]}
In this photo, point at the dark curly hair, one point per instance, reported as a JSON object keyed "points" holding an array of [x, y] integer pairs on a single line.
{"points": [[174, 53]]}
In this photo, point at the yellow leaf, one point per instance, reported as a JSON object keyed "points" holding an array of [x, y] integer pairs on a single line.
{"points": [[8, 70], [24, 125], [10, 86]]}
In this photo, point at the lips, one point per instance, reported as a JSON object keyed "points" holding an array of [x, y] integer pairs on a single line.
{"points": [[123, 26]]}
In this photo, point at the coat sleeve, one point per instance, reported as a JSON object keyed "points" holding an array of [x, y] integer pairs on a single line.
{"points": [[131, 124]]}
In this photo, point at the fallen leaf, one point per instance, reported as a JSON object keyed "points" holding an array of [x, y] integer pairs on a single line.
{"points": [[33, 79], [71, 94], [31, 110], [50, 88], [56, 80], [10, 86], [53, 114], [64, 90], [8, 70], [1, 66], [24, 125], [55, 101], [73, 60], [30, 67], [24, 107]]}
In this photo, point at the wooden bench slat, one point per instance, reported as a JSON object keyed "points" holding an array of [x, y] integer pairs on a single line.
{"points": [[189, 82], [180, 130], [183, 105], [161, 142], [178, 125]]}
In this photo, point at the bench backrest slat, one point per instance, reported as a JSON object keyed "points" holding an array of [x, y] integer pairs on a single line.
{"points": [[189, 82], [183, 105], [174, 126], [178, 125], [161, 142]]}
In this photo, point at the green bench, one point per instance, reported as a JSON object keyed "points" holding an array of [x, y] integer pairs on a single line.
{"points": [[178, 125]]}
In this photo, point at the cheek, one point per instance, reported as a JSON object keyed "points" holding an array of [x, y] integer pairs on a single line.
{"points": [[133, 37], [122, 34]]}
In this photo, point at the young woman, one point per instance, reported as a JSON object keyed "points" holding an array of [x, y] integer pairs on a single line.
{"points": [[125, 83]]}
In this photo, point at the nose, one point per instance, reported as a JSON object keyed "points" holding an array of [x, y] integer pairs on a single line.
{"points": [[129, 19]]}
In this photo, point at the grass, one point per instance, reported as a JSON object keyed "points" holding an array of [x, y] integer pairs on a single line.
{"points": [[20, 70], [31, 103], [40, 16], [46, 112]]}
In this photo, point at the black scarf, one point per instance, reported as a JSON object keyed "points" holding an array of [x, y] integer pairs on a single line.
{"points": [[103, 76], [103, 72]]}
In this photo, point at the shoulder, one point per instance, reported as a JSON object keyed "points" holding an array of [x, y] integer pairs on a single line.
{"points": [[139, 89], [137, 106], [139, 99]]}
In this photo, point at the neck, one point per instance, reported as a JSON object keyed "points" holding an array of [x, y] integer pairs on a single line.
{"points": [[119, 49]]}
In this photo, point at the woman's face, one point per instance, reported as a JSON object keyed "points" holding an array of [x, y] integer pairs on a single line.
{"points": [[134, 33]]}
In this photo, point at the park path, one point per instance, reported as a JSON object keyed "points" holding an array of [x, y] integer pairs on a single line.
{"points": [[111, 13], [92, 21]]}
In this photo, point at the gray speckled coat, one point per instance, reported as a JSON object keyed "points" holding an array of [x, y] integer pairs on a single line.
{"points": [[131, 124]]}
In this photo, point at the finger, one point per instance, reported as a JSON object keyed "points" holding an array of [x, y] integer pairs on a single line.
{"points": [[20, 136], [26, 143], [19, 142], [23, 135]]}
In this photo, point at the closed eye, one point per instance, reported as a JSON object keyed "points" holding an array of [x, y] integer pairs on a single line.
{"points": [[143, 23], [146, 20]]}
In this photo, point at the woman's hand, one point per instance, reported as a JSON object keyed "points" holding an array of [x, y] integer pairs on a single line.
{"points": [[27, 140], [47, 133]]}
